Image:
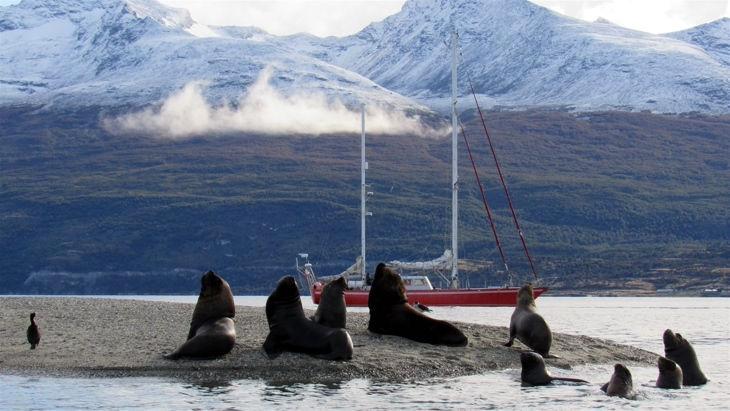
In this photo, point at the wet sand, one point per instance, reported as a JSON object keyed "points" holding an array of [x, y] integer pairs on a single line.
{"points": [[125, 338]]}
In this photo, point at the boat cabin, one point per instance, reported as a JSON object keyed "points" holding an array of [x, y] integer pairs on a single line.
{"points": [[417, 282]]}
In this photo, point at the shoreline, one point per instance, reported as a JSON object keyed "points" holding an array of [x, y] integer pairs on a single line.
{"points": [[553, 293], [100, 337]]}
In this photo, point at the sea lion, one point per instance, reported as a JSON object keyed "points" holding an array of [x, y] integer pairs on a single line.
{"points": [[391, 314], [291, 330], [332, 311], [620, 384], [212, 330], [670, 375], [33, 333], [528, 326], [680, 351], [534, 372]]}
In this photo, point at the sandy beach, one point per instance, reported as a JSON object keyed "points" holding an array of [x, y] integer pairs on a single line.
{"points": [[121, 338]]}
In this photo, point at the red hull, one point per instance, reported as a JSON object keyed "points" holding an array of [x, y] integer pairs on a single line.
{"points": [[462, 297]]}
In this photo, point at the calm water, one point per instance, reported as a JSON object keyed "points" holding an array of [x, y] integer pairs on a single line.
{"points": [[636, 321]]}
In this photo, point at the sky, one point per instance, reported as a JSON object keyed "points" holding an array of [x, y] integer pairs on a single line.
{"points": [[343, 17]]}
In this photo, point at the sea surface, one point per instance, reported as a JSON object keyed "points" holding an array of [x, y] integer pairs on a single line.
{"points": [[636, 321]]}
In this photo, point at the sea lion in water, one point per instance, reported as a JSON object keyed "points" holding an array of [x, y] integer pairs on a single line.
{"points": [[332, 311], [391, 314], [534, 372], [33, 333], [212, 330], [620, 384], [680, 351], [670, 375], [528, 326], [291, 330]]}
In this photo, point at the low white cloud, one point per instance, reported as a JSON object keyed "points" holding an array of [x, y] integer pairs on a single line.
{"points": [[264, 110]]}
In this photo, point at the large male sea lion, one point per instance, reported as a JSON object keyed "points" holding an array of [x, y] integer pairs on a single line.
{"points": [[332, 311], [391, 314], [621, 384], [527, 325], [534, 372], [33, 333], [212, 330], [680, 351], [291, 330], [670, 375]]}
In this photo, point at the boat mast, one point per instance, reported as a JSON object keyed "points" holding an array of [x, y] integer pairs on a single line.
{"points": [[454, 172], [363, 194]]}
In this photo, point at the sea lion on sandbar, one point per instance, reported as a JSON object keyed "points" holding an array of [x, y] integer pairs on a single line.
{"points": [[33, 333], [391, 314], [291, 330], [621, 384], [680, 351], [212, 330], [332, 310], [534, 372], [528, 326], [670, 375]]}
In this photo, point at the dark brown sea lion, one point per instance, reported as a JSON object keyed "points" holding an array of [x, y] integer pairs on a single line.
{"points": [[212, 330], [33, 333], [621, 384], [670, 375], [291, 330], [680, 351], [332, 311], [534, 372], [391, 314], [528, 326]]}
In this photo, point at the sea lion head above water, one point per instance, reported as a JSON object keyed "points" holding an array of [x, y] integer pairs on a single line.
{"points": [[679, 350], [621, 384], [535, 373], [670, 375]]}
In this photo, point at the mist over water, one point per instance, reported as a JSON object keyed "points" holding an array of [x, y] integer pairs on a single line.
{"points": [[262, 109]]}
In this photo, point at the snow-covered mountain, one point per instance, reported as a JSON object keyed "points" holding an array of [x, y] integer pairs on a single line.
{"points": [[520, 54], [116, 52], [713, 37], [516, 53]]}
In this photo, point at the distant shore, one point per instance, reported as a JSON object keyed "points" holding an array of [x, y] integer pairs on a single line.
{"points": [[609, 292], [122, 338]]}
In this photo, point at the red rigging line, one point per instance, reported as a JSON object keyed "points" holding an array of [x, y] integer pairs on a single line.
{"points": [[484, 200], [504, 184]]}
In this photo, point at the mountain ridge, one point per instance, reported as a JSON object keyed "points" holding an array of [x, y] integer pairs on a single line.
{"points": [[518, 54], [137, 52], [527, 55]]}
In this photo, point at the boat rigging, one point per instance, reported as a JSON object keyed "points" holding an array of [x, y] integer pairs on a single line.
{"points": [[419, 288]]}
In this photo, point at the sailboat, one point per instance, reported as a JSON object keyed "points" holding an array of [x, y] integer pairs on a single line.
{"points": [[419, 289]]}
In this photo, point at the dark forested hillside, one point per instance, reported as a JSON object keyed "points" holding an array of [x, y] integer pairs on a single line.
{"points": [[620, 200]]}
